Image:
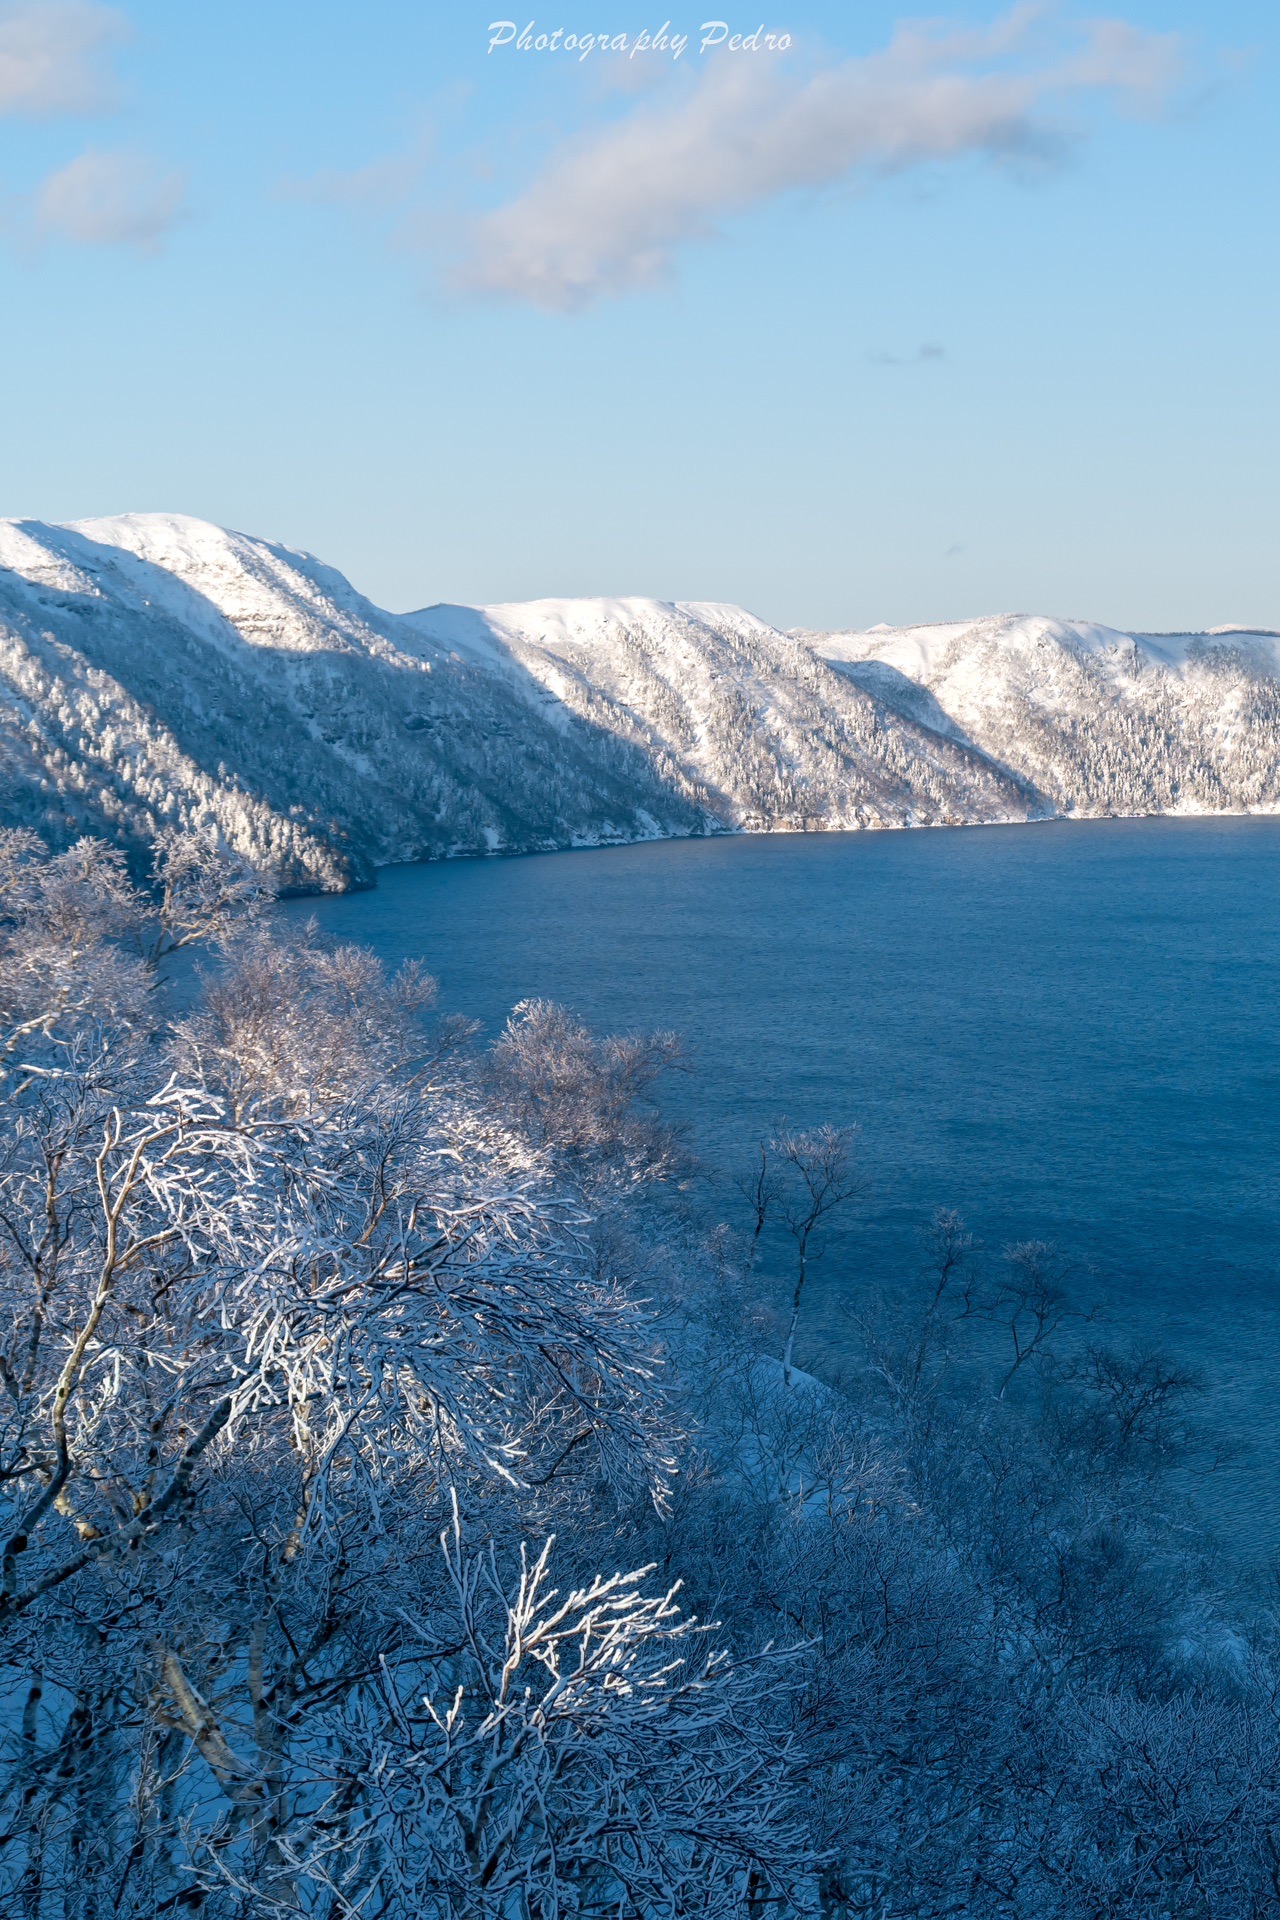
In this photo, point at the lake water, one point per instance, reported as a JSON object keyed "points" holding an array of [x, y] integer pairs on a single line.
{"points": [[1068, 1031]]}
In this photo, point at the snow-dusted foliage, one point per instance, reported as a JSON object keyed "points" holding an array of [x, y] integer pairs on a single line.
{"points": [[299, 1341], [158, 673], [580, 1750], [1022, 1697], [402, 1513]]}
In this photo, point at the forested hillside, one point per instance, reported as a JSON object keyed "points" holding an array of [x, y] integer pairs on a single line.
{"points": [[1099, 722], [157, 671]]}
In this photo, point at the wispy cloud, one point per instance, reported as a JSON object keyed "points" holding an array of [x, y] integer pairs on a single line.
{"points": [[381, 186], [610, 210], [110, 199], [921, 357], [55, 60], [55, 57]]}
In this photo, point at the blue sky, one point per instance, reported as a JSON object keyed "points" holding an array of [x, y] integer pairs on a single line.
{"points": [[881, 326]]}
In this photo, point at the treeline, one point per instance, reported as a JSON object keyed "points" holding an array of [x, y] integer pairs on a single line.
{"points": [[404, 1510]]}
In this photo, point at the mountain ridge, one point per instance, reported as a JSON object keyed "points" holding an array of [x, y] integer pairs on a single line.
{"points": [[156, 669]]}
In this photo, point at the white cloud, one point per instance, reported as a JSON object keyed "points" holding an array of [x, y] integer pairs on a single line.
{"points": [[110, 199], [609, 211], [54, 57]]}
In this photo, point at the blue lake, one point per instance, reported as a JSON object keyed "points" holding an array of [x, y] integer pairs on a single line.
{"points": [[1067, 1032]]}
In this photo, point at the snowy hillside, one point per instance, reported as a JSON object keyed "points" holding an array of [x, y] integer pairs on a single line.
{"points": [[158, 669], [1099, 722], [742, 719]]}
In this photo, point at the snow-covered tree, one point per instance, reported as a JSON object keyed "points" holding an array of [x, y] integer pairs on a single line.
{"points": [[277, 1290]]}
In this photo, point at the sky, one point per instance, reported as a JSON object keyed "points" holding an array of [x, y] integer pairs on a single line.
{"points": [[856, 318]]}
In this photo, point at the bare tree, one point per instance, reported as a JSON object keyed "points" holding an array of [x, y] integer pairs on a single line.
{"points": [[817, 1180], [906, 1339], [761, 1189], [310, 1028], [1032, 1301], [1138, 1402], [68, 982]]}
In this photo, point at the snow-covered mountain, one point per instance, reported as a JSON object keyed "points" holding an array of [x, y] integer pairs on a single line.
{"points": [[159, 669], [155, 668], [1098, 722], [747, 722]]}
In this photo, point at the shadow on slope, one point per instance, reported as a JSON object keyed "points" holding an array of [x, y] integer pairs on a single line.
{"points": [[895, 690], [389, 749]]}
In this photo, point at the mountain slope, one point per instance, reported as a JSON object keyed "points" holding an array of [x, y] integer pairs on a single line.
{"points": [[734, 712], [1099, 722], [157, 669]]}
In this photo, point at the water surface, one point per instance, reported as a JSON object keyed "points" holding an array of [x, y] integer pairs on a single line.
{"points": [[1068, 1031]]}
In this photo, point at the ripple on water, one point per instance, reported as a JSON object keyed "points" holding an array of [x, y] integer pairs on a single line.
{"points": [[1068, 1031]]}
